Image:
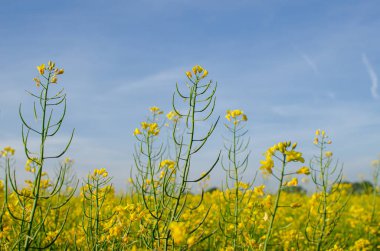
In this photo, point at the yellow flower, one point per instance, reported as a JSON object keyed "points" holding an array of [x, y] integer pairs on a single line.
{"points": [[267, 164], [68, 161], [51, 65], [38, 81], [328, 154], [169, 163], [294, 156], [198, 69], [316, 141], [304, 170], [294, 146], [259, 190], [41, 69], [205, 73], [178, 231], [144, 125], [236, 115], [317, 132], [228, 116], [195, 69], [7, 151], [136, 131], [191, 240], [53, 79], [59, 71], [173, 116], [153, 129], [267, 202], [155, 110], [242, 185], [100, 172], [292, 183], [188, 74]]}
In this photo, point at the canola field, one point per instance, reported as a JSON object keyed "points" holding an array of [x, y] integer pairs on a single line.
{"points": [[55, 211]]}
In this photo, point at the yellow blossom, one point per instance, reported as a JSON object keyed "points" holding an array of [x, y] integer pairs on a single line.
{"points": [[205, 73], [294, 156], [236, 115], [188, 74], [173, 116], [53, 79], [144, 125], [51, 65], [153, 129], [259, 190], [316, 141], [267, 165], [38, 81], [328, 154], [293, 182], [191, 240], [136, 131], [41, 69], [155, 110], [304, 170], [59, 71], [168, 163], [100, 172], [178, 232]]}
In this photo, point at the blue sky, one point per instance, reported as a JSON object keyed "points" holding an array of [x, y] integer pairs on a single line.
{"points": [[292, 66]]}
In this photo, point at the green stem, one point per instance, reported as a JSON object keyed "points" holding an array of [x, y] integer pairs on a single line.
{"points": [[269, 232], [36, 187]]}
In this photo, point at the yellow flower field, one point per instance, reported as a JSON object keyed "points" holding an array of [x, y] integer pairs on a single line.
{"points": [[54, 211]]}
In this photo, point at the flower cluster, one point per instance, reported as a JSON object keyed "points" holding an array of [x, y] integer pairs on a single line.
{"points": [[293, 182], [168, 163], [236, 116], [7, 151], [100, 172], [321, 137], [53, 72], [173, 116], [286, 149], [150, 128], [156, 110], [197, 70], [304, 170]]}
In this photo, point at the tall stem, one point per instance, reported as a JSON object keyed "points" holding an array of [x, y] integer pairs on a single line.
{"points": [[36, 187], [276, 205]]}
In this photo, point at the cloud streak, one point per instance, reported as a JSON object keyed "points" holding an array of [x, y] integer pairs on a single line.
{"points": [[372, 74], [310, 62]]}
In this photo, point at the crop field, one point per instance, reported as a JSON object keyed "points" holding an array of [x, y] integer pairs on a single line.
{"points": [[161, 210]]}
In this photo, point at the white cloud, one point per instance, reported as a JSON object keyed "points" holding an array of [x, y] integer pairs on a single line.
{"points": [[372, 75], [160, 79]]}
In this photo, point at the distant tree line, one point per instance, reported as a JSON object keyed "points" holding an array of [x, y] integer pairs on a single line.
{"points": [[360, 187]]}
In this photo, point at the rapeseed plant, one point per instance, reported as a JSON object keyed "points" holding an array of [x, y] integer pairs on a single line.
{"points": [[236, 196], [38, 201], [285, 153], [328, 202]]}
